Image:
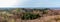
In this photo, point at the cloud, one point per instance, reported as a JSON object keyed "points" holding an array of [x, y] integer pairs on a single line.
{"points": [[8, 3]]}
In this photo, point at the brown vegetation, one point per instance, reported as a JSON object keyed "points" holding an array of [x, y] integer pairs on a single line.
{"points": [[47, 15]]}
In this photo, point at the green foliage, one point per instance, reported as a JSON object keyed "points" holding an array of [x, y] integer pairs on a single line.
{"points": [[17, 9], [46, 8], [45, 12], [30, 16]]}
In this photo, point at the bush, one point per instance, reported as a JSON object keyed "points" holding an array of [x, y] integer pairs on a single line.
{"points": [[45, 12], [30, 16]]}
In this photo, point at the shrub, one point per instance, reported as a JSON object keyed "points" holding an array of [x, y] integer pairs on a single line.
{"points": [[30, 16]]}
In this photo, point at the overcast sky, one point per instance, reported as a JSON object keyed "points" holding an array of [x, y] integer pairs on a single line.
{"points": [[30, 3]]}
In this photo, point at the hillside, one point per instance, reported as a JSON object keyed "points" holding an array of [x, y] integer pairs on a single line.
{"points": [[29, 15]]}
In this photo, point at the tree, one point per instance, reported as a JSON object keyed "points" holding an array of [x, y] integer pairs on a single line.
{"points": [[5, 16], [17, 14], [18, 9], [45, 10], [29, 16]]}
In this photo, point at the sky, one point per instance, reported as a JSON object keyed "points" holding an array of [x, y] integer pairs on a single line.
{"points": [[29, 3], [8, 3]]}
